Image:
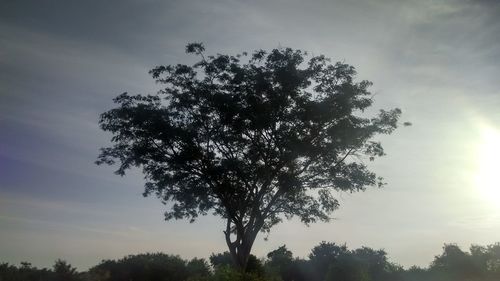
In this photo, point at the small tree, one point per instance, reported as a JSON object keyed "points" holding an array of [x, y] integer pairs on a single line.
{"points": [[64, 271], [150, 266], [324, 255], [252, 138], [281, 262]]}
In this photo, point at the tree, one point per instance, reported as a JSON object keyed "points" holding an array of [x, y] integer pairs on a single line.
{"points": [[348, 268], [324, 255], [280, 257], [145, 267], [281, 262], [64, 271], [254, 265], [493, 254], [220, 259], [455, 264], [252, 138], [198, 268]]}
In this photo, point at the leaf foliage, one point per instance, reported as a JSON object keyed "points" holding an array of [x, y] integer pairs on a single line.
{"points": [[253, 138]]}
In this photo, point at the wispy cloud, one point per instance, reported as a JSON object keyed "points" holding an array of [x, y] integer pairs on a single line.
{"points": [[58, 225]]}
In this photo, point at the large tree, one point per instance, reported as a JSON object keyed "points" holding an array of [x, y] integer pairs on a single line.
{"points": [[253, 138]]}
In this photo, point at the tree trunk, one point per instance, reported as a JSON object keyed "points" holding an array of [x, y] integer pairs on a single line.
{"points": [[241, 247]]}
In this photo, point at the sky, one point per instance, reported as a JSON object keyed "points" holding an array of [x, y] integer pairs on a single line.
{"points": [[62, 62]]}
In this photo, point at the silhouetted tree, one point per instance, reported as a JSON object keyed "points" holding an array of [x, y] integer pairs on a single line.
{"points": [[8, 272], [64, 271], [224, 259], [493, 263], [251, 140], [145, 267], [301, 270], [415, 273], [328, 262], [198, 268], [280, 258], [25, 272], [454, 264], [376, 262], [282, 263], [323, 256], [348, 268]]}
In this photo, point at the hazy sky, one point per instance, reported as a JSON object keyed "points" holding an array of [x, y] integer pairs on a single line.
{"points": [[61, 63]]}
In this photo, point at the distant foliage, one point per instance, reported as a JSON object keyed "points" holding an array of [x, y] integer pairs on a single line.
{"points": [[62, 271], [327, 262], [145, 267], [481, 263], [224, 260]]}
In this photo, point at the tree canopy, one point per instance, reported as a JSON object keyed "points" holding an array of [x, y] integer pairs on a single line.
{"points": [[253, 138]]}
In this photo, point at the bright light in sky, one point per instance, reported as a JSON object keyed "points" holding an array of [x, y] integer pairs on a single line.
{"points": [[487, 176]]}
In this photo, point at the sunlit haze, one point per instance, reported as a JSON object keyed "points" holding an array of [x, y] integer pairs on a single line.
{"points": [[488, 166]]}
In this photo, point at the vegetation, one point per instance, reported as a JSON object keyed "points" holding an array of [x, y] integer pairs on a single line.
{"points": [[326, 262], [252, 138]]}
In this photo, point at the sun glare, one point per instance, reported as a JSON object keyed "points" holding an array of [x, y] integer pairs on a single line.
{"points": [[488, 164]]}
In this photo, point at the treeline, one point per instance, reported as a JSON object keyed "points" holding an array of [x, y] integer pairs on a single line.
{"points": [[326, 262]]}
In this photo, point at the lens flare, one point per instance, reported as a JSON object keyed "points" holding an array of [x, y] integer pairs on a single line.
{"points": [[488, 164]]}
